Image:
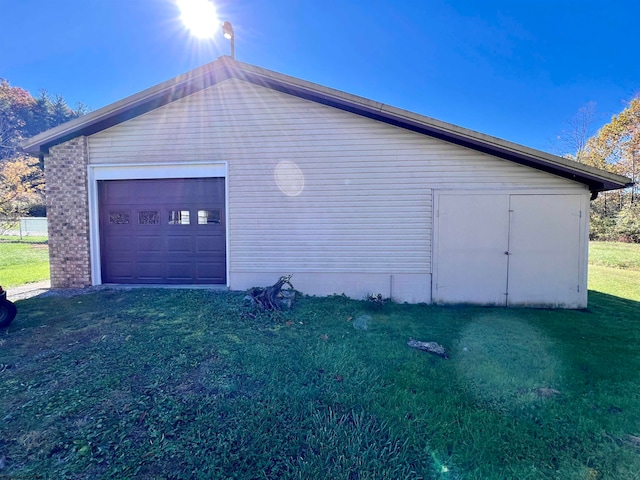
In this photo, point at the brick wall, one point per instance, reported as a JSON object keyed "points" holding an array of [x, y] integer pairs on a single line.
{"points": [[68, 214]]}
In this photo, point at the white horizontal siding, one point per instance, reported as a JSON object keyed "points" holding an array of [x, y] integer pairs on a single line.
{"points": [[366, 202]]}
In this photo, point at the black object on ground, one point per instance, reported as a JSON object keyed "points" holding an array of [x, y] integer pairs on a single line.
{"points": [[8, 310]]}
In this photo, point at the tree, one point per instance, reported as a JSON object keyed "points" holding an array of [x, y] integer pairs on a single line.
{"points": [[572, 141], [627, 226], [21, 184], [22, 116], [15, 107], [616, 148]]}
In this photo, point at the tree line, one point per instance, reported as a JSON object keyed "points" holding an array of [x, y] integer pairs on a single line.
{"points": [[23, 116], [615, 215]]}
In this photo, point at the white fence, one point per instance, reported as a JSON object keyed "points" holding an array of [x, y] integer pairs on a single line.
{"points": [[24, 227]]}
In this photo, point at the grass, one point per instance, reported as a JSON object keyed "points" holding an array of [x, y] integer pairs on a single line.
{"points": [[24, 261], [614, 268], [622, 283], [615, 255], [153, 383]]}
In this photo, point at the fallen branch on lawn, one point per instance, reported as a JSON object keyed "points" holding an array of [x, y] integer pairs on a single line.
{"points": [[273, 297]]}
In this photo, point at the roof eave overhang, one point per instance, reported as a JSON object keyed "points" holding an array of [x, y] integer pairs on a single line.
{"points": [[130, 107], [225, 68]]}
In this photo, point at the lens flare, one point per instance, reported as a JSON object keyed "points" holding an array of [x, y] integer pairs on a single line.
{"points": [[199, 16]]}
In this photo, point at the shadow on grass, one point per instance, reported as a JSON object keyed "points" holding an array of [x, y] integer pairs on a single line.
{"points": [[25, 240], [600, 302]]}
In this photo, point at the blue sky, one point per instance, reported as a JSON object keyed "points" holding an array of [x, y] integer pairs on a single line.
{"points": [[518, 69]]}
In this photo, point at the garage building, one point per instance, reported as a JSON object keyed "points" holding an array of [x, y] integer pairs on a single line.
{"points": [[233, 175]]}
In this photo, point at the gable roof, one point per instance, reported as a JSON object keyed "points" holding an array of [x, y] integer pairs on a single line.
{"points": [[225, 68]]}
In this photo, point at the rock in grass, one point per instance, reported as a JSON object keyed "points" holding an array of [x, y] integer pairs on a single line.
{"points": [[431, 347]]}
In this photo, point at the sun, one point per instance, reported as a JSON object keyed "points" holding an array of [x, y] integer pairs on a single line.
{"points": [[199, 16]]}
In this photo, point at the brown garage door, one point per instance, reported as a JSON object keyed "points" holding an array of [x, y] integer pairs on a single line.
{"points": [[166, 231]]}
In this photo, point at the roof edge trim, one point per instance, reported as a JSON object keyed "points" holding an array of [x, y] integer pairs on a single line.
{"points": [[225, 68]]}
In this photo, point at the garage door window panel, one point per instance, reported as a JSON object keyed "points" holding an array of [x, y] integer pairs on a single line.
{"points": [[148, 217], [209, 217], [179, 217], [119, 217]]}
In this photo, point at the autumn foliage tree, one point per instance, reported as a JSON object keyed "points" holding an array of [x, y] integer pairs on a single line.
{"points": [[616, 148], [15, 105], [21, 182], [22, 116]]}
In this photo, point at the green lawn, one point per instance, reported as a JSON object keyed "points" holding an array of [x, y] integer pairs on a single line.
{"points": [[23, 261], [621, 283], [163, 383], [615, 255], [153, 383], [614, 268]]}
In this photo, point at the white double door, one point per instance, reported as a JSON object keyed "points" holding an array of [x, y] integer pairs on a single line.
{"points": [[509, 249]]}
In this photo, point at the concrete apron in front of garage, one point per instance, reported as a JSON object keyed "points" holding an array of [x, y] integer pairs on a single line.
{"points": [[30, 290]]}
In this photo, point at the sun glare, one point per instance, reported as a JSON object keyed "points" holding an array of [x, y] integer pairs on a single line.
{"points": [[199, 16]]}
